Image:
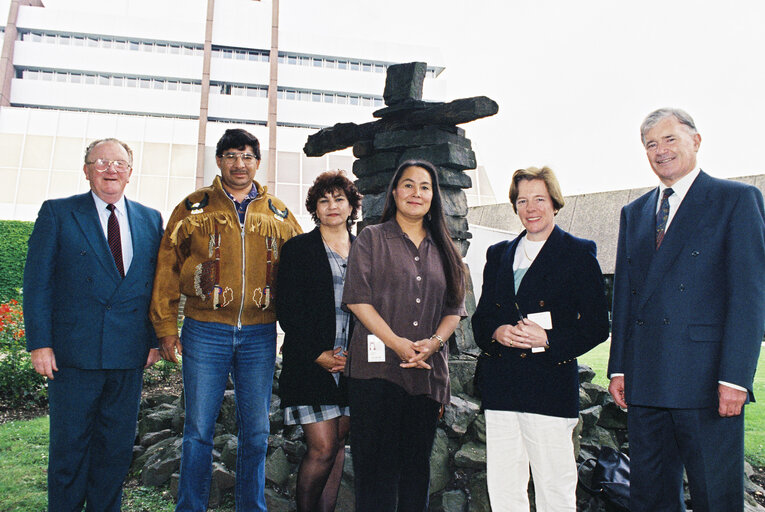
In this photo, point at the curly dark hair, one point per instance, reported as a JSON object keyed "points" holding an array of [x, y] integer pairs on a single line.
{"points": [[331, 181]]}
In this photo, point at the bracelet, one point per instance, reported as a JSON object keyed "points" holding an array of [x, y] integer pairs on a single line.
{"points": [[440, 341]]}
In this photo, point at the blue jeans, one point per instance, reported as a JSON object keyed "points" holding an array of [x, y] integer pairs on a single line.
{"points": [[210, 352]]}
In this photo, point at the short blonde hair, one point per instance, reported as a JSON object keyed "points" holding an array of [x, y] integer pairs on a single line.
{"points": [[534, 173]]}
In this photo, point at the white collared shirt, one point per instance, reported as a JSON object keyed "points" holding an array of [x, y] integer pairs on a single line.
{"points": [[680, 189], [121, 211]]}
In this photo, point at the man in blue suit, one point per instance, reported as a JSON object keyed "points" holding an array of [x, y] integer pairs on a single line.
{"points": [[87, 286], [688, 318]]}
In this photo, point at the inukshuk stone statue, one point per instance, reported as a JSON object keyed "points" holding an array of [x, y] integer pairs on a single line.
{"points": [[409, 127]]}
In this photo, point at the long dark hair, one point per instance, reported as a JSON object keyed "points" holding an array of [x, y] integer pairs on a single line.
{"points": [[436, 224]]}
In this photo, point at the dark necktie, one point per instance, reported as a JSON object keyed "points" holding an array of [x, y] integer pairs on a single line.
{"points": [[115, 242], [661, 217]]}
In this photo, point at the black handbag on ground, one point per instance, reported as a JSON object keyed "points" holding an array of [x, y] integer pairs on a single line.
{"points": [[609, 479]]}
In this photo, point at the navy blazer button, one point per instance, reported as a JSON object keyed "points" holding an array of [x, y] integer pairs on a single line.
{"points": [[89, 279], [83, 253], [639, 322], [695, 253], [633, 291], [666, 321], [681, 287], [523, 355], [108, 307]]}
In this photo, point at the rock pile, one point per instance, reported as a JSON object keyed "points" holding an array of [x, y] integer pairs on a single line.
{"points": [[458, 461]]}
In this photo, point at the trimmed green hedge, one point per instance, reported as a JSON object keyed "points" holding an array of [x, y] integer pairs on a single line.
{"points": [[14, 235]]}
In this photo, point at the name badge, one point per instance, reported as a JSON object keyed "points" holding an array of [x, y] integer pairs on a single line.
{"points": [[375, 349], [544, 320]]}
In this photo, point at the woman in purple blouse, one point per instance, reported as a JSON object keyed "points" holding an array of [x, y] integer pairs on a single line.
{"points": [[406, 286]]}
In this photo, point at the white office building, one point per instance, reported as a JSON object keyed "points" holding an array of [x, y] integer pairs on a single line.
{"points": [[74, 72]]}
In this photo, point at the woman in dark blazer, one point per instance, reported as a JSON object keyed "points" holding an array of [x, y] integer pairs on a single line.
{"points": [[316, 331], [542, 304]]}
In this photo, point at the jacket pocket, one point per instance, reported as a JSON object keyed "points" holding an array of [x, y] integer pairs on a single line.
{"points": [[705, 332]]}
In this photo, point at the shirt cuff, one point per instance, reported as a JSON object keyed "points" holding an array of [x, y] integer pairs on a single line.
{"points": [[734, 386], [616, 375]]}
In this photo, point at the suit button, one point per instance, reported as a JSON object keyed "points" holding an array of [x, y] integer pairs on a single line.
{"points": [[666, 321], [681, 287], [89, 279], [695, 253], [108, 307], [523, 355], [633, 291], [639, 322], [83, 253]]}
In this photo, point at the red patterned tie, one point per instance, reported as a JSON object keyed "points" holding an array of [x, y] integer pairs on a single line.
{"points": [[115, 242]]}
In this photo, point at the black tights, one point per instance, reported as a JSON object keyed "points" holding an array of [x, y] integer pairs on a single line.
{"points": [[322, 466]]}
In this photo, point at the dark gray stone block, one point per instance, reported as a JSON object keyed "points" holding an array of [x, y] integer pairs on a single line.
{"points": [[454, 112], [447, 178], [454, 202], [363, 148], [379, 162], [339, 136], [446, 155], [404, 82], [372, 206], [422, 137]]}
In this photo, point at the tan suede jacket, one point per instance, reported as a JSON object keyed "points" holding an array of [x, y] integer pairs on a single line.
{"points": [[226, 270]]}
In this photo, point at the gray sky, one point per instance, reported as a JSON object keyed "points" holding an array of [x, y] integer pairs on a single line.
{"points": [[573, 79]]}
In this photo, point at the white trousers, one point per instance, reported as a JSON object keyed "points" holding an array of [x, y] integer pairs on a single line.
{"points": [[515, 440]]}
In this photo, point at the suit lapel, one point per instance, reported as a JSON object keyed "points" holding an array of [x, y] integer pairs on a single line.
{"points": [[684, 224], [506, 282], [86, 217], [137, 221]]}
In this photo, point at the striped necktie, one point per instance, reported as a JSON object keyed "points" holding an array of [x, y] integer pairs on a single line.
{"points": [[114, 239]]}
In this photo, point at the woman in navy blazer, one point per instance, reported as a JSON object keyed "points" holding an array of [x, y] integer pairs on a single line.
{"points": [[316, 333], [542, 304]]}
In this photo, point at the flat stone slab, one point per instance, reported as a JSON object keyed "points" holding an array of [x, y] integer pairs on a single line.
{"points": [[422, 137]]}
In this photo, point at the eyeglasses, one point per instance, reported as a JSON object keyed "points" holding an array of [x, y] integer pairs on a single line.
{"points": [[247, 158], [102, 165]]}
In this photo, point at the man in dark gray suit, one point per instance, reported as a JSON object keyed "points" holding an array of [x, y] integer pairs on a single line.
{"points": [[87, 286], [688, 317]]}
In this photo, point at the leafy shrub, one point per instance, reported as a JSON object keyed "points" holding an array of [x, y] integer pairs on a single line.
{"points": [[14, 235], [159, 372], [19, 382]]}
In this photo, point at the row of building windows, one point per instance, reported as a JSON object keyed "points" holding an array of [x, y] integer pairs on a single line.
{"points": [[111, 42], [239, 54], [283, 93], [110, 80], [257, 91], [96, 41]]}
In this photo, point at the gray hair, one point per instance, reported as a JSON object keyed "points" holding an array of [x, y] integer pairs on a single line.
{"points": [[109, 139], [654, 117]]}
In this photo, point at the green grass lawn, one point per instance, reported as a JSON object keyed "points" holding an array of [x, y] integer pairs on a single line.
{"points": [[23, 479], [754, 421]]}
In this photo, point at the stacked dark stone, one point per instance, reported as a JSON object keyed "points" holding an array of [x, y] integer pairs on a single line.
{"points": [[410, 128]]}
